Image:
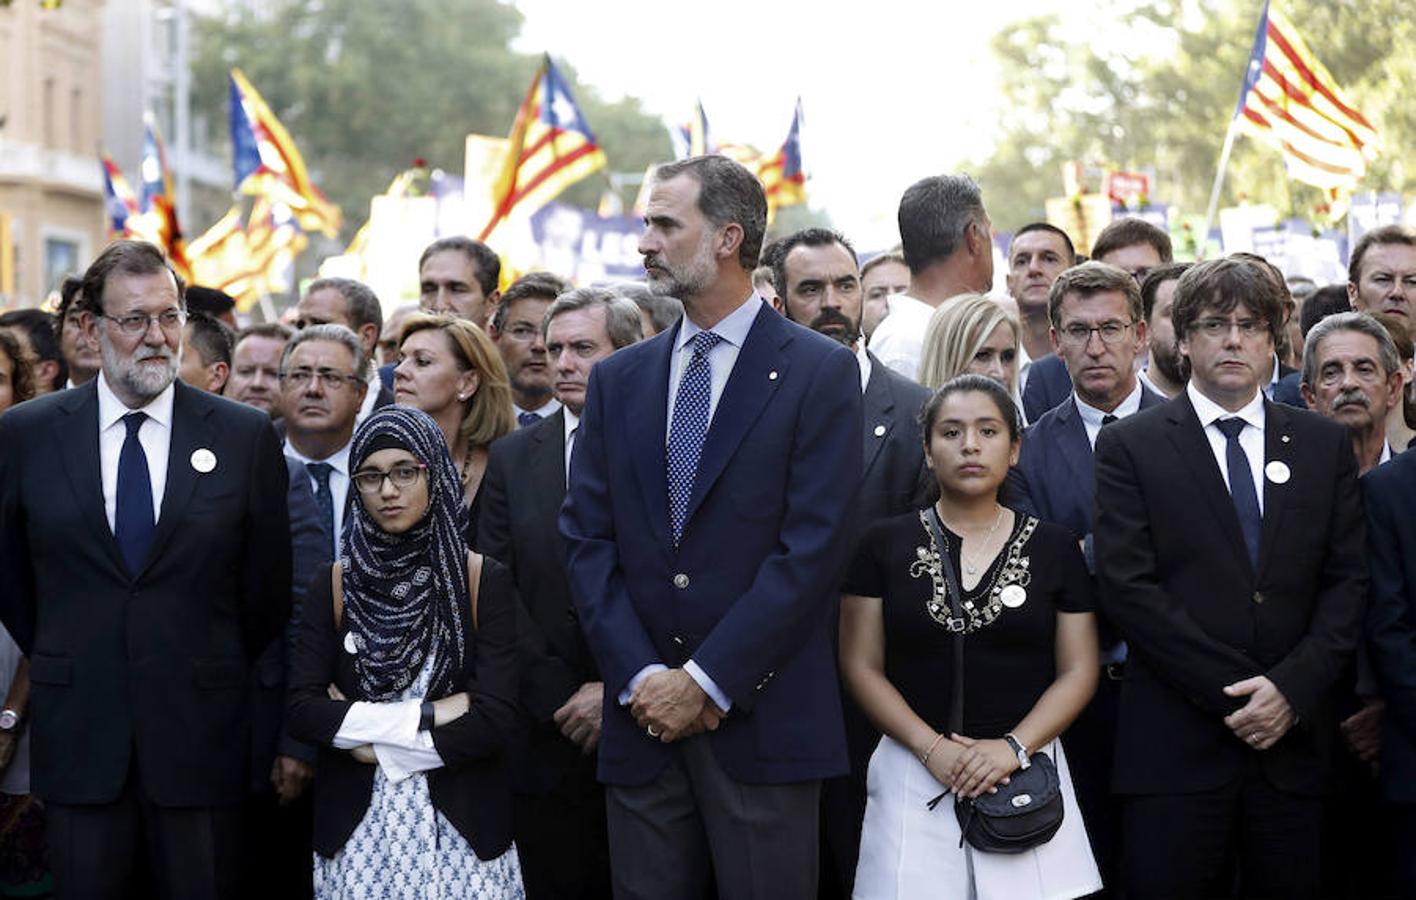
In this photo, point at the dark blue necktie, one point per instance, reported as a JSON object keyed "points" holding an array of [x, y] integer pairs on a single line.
{"points": [[689, 429], [133, 518], [320, 472], [527, 418], [1241, 488]]}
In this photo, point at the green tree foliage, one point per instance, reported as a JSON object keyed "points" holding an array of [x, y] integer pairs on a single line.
{"points": [[1151, 86], [365, 88]]}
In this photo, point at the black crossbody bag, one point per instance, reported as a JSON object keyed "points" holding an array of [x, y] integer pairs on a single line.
{"points": [[1027, 811]]}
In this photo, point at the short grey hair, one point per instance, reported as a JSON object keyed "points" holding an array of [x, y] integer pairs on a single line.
{"points": [[663, 311], [335, 334], [621, 315], [1358, 322], [935, 212], [363, 303]]}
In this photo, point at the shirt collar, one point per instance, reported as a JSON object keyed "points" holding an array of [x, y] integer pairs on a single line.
{"points": [[572, 422], [863, 359], [545, 409], [111, 409], [732, 328], [1209, 412], [1093, 416], [339, 460], [904, 302]]}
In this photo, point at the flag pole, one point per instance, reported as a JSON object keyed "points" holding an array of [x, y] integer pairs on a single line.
{"points": [[1214, 191]]}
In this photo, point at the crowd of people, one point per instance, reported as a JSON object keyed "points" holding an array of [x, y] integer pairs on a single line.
{"points": [[775, 575]]}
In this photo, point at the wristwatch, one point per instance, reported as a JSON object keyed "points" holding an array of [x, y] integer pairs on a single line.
{"points": [[1018, 748], [9, 721], [427, 716]]}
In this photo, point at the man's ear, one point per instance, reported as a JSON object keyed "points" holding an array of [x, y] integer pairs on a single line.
{"points": [[729, 240]]}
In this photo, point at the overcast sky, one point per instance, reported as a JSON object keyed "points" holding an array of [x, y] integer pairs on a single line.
{"points": [[867, 78]]}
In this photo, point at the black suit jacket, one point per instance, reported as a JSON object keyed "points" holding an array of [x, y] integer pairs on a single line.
{"points": [[155, 664], [522, 493], [895, 479], [309, 552], [1175, 577], [473, 789], [1389, 491]]}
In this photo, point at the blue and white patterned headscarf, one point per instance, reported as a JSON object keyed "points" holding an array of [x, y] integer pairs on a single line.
{"points": [[405, 595]]}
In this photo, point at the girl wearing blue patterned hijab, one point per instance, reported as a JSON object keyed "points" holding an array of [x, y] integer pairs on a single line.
{"points": [[405, 587]]}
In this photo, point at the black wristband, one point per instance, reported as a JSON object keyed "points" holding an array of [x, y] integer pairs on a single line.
{"points": [[427, 718]]}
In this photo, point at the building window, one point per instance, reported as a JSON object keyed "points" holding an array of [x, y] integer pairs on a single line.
{"points": [[61, 257]]}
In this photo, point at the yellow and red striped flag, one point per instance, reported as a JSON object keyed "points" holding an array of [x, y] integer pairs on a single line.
{"points": [[1291, 102], [268, 163], [550, 148]]}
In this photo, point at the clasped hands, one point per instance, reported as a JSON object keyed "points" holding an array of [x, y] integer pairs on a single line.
{"points": [[970, 767], [447, 709], [669, 706], [1265, 719]]}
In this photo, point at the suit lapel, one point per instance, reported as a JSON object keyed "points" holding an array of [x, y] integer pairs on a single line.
{"points": [[190, 431], [547, 464], [759, 369], [1278, 447], [879, 402], [1077, 453], [1189, 440], [644, 398], [78, 445]]}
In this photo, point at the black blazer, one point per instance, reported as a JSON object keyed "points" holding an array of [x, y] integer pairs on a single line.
{"points": [[1389, 491], [895, 479], [156, 663], [472, 789], [1175, 577], [309, 552], [522, 493]]}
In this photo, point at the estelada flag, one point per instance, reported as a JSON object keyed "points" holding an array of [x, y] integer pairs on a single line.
{"points": [[268, 164], [1292, 103], [782, 176], [550, 148], [156, 217]]}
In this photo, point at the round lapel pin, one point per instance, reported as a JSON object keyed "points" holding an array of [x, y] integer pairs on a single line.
{"points": [[1014, 596], [879, 430], [351, 643], [203, 460], [1277, 472]]}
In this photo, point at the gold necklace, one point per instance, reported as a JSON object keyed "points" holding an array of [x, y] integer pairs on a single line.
{"points": [[466, 462], [972, 567]]}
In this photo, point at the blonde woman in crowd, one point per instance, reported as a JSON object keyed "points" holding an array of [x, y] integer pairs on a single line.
{"points": [[449, 368], [970, 334]]}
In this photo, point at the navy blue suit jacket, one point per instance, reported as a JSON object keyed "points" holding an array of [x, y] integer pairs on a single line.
{"points": [[1389, 491], [1055, 478], [748, 592], [1048, 385]]}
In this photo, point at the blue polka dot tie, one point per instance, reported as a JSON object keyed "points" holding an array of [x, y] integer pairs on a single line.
{"points": [[320, 471], [527, 418], [689, 427]]}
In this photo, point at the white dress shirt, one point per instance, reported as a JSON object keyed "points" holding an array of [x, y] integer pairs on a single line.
{"points": [[572, 423], [338, 480], [374, 384], [863, 359], [1091, 416], [733, 329], [1251, 439], [898, 341], [155, 436]]}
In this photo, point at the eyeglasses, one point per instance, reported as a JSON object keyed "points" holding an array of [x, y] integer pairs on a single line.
{"points": [[403, 475], [1214, 328], [331, 379], [139, 323], [1112, 332]]}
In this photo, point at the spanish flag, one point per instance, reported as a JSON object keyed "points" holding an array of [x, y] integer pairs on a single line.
{"points": [[550, 148]]}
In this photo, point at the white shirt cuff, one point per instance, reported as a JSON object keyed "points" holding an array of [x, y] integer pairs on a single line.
{"points": [[710, 687], [399, 763], [394, 723], [639, 676]]}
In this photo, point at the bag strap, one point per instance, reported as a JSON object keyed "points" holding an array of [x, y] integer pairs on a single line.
{"points": [[956, 612], [474, 585]]}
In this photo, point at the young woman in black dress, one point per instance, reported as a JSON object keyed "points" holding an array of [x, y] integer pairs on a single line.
{"points": [[1030, 664]]}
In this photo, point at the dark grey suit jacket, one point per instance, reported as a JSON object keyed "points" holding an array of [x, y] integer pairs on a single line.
{"points": [[895, 479]]}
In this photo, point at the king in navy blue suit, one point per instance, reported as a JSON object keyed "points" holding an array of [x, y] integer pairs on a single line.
{"points": [[711, 625]]}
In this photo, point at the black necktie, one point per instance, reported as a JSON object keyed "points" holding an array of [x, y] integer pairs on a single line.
{"points": [[1108, 419], [1241, 488], [133, 518], [320, 472]]}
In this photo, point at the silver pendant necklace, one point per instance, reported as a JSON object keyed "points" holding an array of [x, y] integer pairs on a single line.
{"points": [[971, 566]]}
